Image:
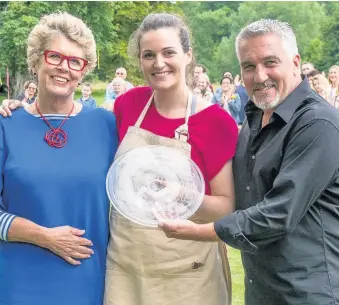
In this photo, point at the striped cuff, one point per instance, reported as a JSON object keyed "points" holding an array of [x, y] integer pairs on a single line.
{"points": [[5, 223]]}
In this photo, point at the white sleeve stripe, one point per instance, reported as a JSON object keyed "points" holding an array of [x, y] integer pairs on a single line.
{"points": [[2, 215], [5, 221], [9, 222]]}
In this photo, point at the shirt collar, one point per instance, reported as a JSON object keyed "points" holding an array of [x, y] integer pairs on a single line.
{"points": [[286, 108]]}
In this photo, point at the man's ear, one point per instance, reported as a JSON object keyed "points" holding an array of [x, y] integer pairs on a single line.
{"points": [[296, 61]]}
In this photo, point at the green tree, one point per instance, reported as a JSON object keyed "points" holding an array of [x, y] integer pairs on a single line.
{"points": [[126, 17], [18, 18], [209, 23], [304, 17], [330, 43], [314, 53], [111, 22]]}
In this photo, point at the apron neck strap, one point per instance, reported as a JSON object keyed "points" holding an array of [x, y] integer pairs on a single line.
{"points": [[144, 111]]}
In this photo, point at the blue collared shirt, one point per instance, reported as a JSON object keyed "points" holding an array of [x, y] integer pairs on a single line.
{"points": [[89, 102]]}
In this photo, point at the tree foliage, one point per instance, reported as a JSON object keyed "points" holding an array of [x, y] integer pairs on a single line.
{"points": [[304, 17], [214, 26], [328, 40], [111, 22]]}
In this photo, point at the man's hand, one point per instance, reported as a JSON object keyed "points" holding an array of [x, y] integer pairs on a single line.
{"points": [[188, 230], [8, 105]]}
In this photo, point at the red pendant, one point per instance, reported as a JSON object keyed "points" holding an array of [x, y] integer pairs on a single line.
{"points": [[55, 137]]}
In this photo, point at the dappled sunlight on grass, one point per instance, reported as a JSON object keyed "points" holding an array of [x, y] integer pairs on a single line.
{"points": [[237, 276]]}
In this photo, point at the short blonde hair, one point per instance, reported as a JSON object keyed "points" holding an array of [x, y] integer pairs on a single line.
{"points": [[56, 24], [87, 85]]}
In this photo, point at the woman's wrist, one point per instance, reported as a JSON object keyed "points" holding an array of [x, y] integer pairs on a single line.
{"points": [[24, 230]]}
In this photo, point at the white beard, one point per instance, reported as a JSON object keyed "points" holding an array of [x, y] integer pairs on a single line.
{"points": [[265, 104]]}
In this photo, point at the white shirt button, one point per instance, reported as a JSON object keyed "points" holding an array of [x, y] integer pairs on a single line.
{"points": [[248, 188], [253, 157], [250, 281]]}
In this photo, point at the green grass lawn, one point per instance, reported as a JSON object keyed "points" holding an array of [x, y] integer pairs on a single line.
{"points": [[237, 276], [99, 90], [99, 96]]}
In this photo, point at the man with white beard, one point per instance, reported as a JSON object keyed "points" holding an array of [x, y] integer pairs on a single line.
{"points": [[286, 173]]}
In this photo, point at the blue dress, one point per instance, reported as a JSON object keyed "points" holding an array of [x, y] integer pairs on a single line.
{"points": [[55, 187]]}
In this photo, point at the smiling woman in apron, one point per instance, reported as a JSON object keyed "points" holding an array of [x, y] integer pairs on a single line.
{"points": [[144, 267]]}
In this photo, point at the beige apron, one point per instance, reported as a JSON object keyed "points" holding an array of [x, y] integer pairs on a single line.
{"points": [[144, 267]]}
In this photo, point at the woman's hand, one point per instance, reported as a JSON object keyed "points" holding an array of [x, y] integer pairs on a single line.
{"points": [[67, 243], [26, 94], [188, 230], [8, 106]]}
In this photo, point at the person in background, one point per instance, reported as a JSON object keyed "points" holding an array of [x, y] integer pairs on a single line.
{"points": [[336, 102], [115, 88], [322, 86], [86, 99], [333, 77], [286, 171], [228, 74], [241, 91], [118, 88], [122, 73], [229, 100], [306, 68], [29, 96], [198, 70], [54, 158], [218, 91], [22, 94], [205, 88], [311, 75]]}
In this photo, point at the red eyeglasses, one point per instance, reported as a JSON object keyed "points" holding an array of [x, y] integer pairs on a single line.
{"points": [[74, 63]]}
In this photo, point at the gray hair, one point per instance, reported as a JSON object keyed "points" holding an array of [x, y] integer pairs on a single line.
{"points": [[267, 26], [118, 81], [123, 69], [52, 25]]}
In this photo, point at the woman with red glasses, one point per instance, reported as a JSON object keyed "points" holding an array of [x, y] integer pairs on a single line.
{"points": [[54, 156]]}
